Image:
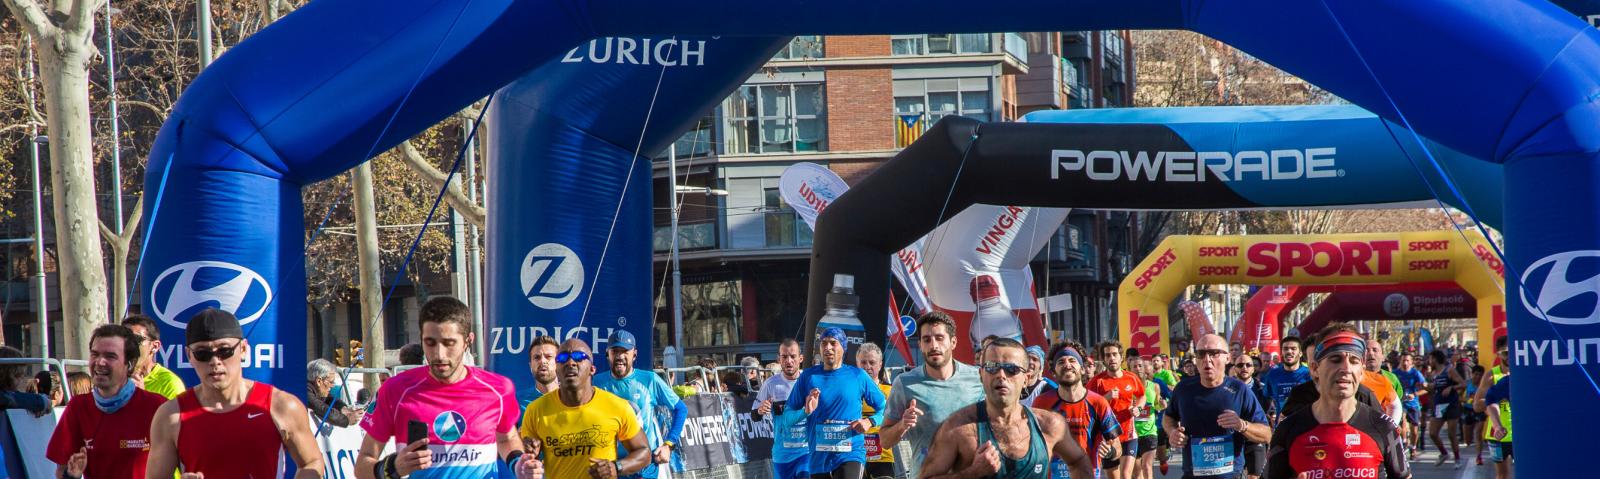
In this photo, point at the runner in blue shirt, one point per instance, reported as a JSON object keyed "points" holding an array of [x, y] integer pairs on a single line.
{"points": [[1212, 416], [1289, 372], [645, 391], [1410, 380], [831, 395], [790, 458]]}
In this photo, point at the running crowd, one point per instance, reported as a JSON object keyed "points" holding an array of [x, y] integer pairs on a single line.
{"points": [[1020, 412]]}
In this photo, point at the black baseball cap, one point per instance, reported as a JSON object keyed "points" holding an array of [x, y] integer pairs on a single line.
{"points": [[212, 324]]}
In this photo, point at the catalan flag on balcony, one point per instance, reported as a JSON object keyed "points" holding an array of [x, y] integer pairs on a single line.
{"points": [[907, 128]]}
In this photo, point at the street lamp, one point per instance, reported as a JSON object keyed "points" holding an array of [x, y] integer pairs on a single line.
{"points": [[677, 274]]}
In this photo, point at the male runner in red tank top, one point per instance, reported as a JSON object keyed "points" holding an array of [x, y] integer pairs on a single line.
{"points": [[227, 426]]}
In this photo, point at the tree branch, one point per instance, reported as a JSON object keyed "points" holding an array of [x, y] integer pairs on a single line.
{"points": [[160, 112], [32, 17], [474, 213], [81, 19]]}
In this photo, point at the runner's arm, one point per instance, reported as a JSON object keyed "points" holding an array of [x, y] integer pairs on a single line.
{"points": [[1065, 448], [874, 397], [680, 411], [638, 455], [892, 431], [1483, 390], [945, 453], [163, 460], [1278, 457], [369, 455], [290, 414]]}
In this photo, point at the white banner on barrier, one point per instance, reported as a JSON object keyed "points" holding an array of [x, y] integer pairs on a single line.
{"points": [[340, 447], [33, 437]]}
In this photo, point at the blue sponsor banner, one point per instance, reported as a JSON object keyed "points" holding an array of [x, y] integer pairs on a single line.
{"points": [[570, 239]]}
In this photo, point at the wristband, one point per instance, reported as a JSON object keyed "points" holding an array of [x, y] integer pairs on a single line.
{"points": [[391, 471], [379, 467], [512, 458]]}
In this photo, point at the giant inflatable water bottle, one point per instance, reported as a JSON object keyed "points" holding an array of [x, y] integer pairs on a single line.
{"points": [[842, 304]]}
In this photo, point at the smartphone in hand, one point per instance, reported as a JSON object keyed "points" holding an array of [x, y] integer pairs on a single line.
{"points": [[416, 431]]}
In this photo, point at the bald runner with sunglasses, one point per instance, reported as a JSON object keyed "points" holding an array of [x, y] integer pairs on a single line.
{"points": [[999, 437], [579, 427], [228, 426]]}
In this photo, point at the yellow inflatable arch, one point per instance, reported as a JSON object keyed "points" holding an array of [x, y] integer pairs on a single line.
{"points": [[1145, 296]]}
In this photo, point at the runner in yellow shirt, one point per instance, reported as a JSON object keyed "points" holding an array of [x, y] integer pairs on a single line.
{"points": [[880, 461], [578, 428], [154, 378]]}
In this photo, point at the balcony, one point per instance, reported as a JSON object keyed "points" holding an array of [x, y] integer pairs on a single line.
{"points": [[691, 236], [1013, 47]]}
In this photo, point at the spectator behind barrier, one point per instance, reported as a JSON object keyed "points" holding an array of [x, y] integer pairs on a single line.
{"points": [[323, 385], [16, 387], [411, 354], [79, 383], [733, 382], [49, 384]]}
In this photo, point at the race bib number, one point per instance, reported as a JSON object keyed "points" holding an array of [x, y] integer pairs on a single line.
{"points": [[1212, 456], [874, 452], [834, 436], [1439, 409], [795, 436]]}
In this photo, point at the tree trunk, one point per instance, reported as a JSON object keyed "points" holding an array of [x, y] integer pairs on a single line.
{"points": [[77, 218], [371, 282]]}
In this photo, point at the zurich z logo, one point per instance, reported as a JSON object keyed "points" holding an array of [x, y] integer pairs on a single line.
{"points": [[185, 289], [1564, 288], [552, 276]]}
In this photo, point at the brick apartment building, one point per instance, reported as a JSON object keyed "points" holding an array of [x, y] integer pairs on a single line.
{"points": [[850, 103]]}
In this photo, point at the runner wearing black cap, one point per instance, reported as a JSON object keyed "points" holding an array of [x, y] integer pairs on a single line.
{"points": [[228, 426]]}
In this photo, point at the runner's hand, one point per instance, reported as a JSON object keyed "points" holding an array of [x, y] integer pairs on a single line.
{"points": [[1105, 449], [531, 469], [861, 425], [811, 400], [602, 469], [1176, 437], [765, 408], [662, 455], [987, 462], [909, 418], [1496, 431], [1230, 420], [354, 414], [413, 458], [1112, 395], [78, 462]]}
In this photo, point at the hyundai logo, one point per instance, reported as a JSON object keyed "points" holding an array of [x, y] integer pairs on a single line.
{"points": [[185, 289], [552, 276], [1564, 288]]}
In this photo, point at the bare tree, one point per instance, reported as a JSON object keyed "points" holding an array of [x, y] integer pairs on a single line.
{"points": [[63, 40]]}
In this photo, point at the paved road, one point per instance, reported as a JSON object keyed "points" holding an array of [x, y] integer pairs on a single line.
{"points": [[1421, 468]]}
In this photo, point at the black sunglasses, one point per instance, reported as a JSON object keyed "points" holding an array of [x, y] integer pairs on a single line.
{"points": [[562, 358], [205, 355], [1009, 368]]}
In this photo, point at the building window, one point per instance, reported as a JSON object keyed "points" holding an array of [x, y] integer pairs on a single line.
{"points": [[940, 44], [394, 324], [695, 143], [801, 48], [1112, 39], [777, 118], [918, 104], [784, 227]]}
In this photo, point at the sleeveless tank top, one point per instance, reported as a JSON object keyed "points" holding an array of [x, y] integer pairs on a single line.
{"points": [[242, 443], [1032, 464]]}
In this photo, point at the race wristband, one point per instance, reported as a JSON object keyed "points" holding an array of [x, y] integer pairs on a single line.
{"points": [[512, 458]]}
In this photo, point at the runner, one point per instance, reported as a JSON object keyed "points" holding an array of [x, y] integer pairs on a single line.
{"points": [[1445, 391], [1125, 391], [1255, 453], [645, 391], [469, 414], [880, 461], [1282, 378], [999, 437], [542, 363], [1087, 414], [1495, 402], [1037, 382], [790, 458], [1472, 424], [1212, 416], [150, 374], [922, 398], [106, 433], [578, 428], [1145, 423], [1410, 379], [1337, 436], [1385, 392], [1168, 380], [217, 427], [831, 395]]}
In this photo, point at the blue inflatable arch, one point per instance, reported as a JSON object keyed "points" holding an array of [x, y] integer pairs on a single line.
{"points": [[338, 81]]}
